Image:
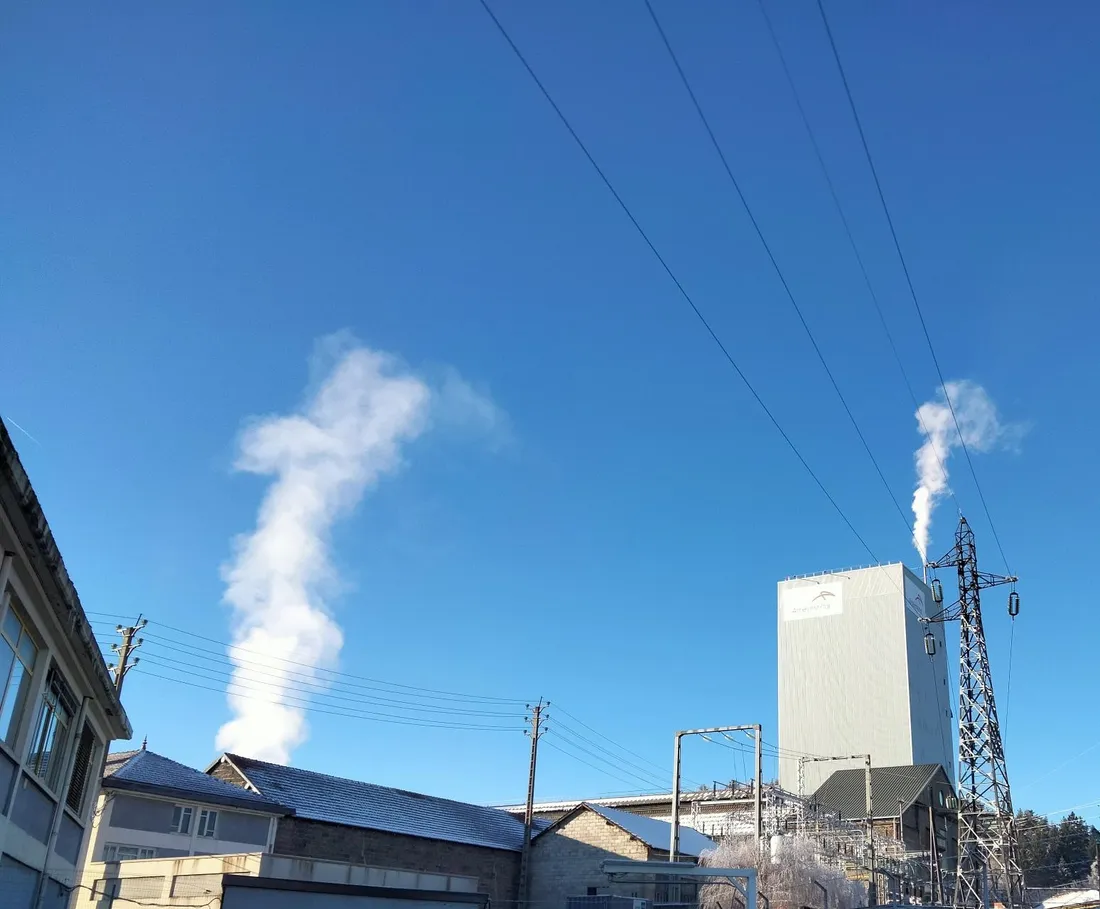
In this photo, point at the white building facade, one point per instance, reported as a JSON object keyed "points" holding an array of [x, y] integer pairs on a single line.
{"points": [[58, 707], [855, 675]]}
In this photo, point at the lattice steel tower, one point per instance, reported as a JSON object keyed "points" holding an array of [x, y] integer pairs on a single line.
{"points": [[988, 848]]}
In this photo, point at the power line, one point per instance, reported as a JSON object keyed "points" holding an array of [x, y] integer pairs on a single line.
{"points": [[427, 693], [672, 275], [595, 756], [306, 683], [771, 257], [851, 237], [566, 729], [298, 703], [908, 277], [221, 675], [666, 771], [550, 744]]}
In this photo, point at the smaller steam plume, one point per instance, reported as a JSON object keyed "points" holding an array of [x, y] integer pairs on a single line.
{"points": [[982, 430]]}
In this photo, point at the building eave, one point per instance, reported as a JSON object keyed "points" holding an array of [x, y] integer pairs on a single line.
{"points": [[112, 783], [41, 552]]}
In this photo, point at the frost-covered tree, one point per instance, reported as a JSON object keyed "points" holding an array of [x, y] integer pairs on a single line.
{"points": [[786, 879]]}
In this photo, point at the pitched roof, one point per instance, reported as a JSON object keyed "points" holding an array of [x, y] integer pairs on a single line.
{"points": [[653, 832], [334, 800], [152, 774], [845, 792]]}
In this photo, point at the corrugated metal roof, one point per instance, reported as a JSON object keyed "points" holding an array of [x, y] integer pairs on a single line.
{"points": [[320, 797], [845, 792], [653, 832], [154, 774]]}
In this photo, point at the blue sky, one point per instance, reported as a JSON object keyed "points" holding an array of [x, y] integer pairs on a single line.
{"points": [[194, 196]]}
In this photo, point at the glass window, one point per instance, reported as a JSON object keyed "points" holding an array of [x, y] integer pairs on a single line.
{"points": [[116, 852], [52, 733], [181, 819], [208, 822], [17, 655]]}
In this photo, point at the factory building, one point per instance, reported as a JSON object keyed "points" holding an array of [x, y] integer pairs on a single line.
{"points": [[855, 675]]}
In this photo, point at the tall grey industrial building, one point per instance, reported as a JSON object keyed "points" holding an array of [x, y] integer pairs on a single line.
{"points": [[854, 674]]}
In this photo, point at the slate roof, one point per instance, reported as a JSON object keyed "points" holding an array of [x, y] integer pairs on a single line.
{"points": [[334, 800], [145, 772], [845, 792]]}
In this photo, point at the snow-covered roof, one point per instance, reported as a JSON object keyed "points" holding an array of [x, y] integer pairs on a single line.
{"points": [[334, 800], [653, 832]]}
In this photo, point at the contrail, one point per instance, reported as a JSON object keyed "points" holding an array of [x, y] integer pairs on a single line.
{"points": [[22, 430]]}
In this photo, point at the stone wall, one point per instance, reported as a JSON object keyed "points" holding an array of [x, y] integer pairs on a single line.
{"points": [[565, 861], [497, 870]]}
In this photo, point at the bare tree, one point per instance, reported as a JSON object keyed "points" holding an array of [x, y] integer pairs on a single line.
{"points": [[790, 879]]}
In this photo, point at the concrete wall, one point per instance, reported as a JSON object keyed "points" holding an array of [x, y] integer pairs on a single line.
{"points": [[145, 821], [565, 861], [496, 870], [195, 881], [853, 673]]}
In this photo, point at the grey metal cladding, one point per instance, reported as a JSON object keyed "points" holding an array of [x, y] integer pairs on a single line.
{"points": [[32, 810], [234, 827], [131, 813]]}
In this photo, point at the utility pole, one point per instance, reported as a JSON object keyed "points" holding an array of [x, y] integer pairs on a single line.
{"points": [[537, 719], [125, 650], [869, 805], [988, 848], [756, 729], [934, 855], [872, 886]]}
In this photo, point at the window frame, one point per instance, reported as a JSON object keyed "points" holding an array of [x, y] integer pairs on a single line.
{"points": [[207, 827], [111, 850], [57, 696], [11, 607], [185, 812]]}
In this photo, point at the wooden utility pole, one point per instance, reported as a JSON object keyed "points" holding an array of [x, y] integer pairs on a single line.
{"points": [[537, 719], [125, 650]]}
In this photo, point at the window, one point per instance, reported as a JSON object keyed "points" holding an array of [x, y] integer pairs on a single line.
{"points": [[208, 823], [82, 770], [52, 734], [116, 852], [181, 819], [17, 655]]}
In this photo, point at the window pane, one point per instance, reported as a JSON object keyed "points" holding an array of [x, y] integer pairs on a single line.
{"points": [[12, 627], [13, 700], [27, 651], [51, 738]]}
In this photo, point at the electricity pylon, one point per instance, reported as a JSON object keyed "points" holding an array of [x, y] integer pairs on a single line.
{"points": [[988, 847]]}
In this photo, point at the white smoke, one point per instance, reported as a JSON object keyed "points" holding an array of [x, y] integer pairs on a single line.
{"points": [[345, 438], [982, 429]]}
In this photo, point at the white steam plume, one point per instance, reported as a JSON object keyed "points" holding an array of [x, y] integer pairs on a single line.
{"points": [[982, 429], [348, 434]]}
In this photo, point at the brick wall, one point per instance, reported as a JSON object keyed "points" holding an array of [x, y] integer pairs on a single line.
{"points": [[497, 870], [565, 861]]}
